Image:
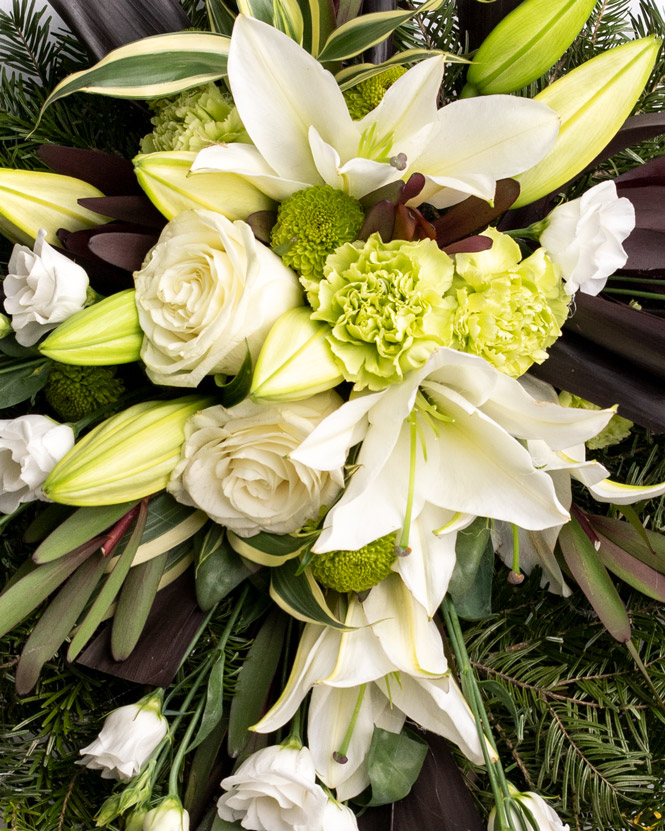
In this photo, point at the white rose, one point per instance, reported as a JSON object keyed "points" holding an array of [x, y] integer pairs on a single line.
{"points": [[206, 292], [235, 465], [584, 237], [30, 447], [545, 817], [275, 790], [169, 815], [127, 739], [42, 288]]}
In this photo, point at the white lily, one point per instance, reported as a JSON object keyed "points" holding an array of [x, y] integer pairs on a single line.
{"points": [[298, 120], [443, 446], [536, 547], [388, 666]]}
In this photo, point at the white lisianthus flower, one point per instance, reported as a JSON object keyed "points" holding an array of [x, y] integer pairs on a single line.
{"points": [[583, 237], [545, 817], [30, 447], [127, 739], [275, 789], [235, 466], [169, 815], [337, 817], [42, 288], [208, 291], [388, 665]]}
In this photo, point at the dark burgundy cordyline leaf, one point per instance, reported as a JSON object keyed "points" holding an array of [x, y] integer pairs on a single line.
{"points": [[103, 25], [380, 219], [113, 175], [635, 335], [104, 278], [478, 19], [592, 372], [474, 214], [649, 173], [439, 800], [136, 208], [646, 251], [124, 250], [171, 625], [469, 245], [384, 50]]}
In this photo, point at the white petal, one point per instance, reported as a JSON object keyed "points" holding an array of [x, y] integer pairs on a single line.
{"points": [[619, 494]]}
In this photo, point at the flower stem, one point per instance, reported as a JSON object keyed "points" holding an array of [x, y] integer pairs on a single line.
{"points": [[404, 539], [340, 755]]}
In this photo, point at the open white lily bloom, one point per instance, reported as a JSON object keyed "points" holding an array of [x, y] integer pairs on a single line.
{"points": [[303, 135], [445, 445], [391, 665], [537, 546]]}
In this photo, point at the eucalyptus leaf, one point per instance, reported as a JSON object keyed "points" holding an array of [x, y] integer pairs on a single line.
{"points": [[214, 703], [219, 569], [472, 543], [393, 764], [224, 825], [20, 382], [46, 521]]}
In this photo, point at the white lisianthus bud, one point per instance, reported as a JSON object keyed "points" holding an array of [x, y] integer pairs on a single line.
{"points": [[274, 790], [235, 466], [129, 736], [545, 817], [30, 447], [42, 288], [169, 815], [208, 291], [583, 237], [337, 817]]}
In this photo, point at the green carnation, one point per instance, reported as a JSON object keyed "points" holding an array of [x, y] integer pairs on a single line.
{"points": [[311, 224], [614, 432], [356, 571], [385, 306], [75, 391], [508, 310], [193, 120], [365, 96]]}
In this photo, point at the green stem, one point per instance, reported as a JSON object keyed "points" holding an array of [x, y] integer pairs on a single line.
{"points": [[620, 278], [340, 755], [649, 295], [182, 749], [516, 549], [404, 539]]}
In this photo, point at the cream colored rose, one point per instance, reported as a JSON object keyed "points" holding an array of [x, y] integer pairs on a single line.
{"points": [[235, 466], [206, 291], [42, 288]]}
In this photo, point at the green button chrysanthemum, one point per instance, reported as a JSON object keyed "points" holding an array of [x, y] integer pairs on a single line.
{"points": [[193, 120], [311, 224], [365, 96], [75, 391], [356, 571], [384, 303], [508, 310]]}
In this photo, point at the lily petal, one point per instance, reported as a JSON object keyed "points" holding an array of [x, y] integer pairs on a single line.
{"points": [[618, 494]]}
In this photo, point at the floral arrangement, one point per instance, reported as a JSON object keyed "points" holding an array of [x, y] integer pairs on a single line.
{"points": [[288, 369]]}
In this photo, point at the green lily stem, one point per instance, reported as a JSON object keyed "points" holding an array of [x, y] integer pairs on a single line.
{"points": [[183, 747], [649, 295], [341, 753], [404, 538], [472, 693]]}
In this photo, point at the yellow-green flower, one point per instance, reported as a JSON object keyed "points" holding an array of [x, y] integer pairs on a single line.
{"points": [[368, 94], [356, 571], [75, 391], [384, 303], [508, 310], [193, 120]]}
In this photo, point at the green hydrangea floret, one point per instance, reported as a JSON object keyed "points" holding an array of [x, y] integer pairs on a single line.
{"points": [[311, 224], [615, 431], [507, 310], [356, 571], [194, 119], [368, 94], [75, 391], [385, 304]]}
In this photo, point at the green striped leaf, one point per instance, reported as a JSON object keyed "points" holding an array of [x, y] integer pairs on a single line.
{"points": [[220, 17], [363, 32], [300, 595], [318, 24], [152, 68], [352, 75]]}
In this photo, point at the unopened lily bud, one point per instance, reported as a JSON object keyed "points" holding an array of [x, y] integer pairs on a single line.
{"points": [[105, 334], [166, 180], [169, 815], [525, 44], [593, 102], [296, 361], [5, 326], [33, 199], [126, 457]]}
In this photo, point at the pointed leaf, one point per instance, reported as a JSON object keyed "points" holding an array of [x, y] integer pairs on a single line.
{"points": [[631, 570], [55, 624], [267, 549], [591, 576], [20, 382], [318, 24], [300, 595], [220, 17], [107, 172], [136, 598], [46, 522], [219, 569], [474, 214], [393, 764], [214, 702], [124, 250], [254, 681], [635, 129], [623, 535], [204, 774], [349, 76], [234, 391]]}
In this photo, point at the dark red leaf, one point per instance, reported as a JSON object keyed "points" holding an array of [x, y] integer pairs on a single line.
{"points": [[171, 625], [411, 188], [405, 223], [104, 278], [475, 214], [124, 250], [478, 20], [637, 128], [645, 251], [262, 223], [469, 245], [649, 173], [135, 208], [113, 175], [380, 218]]}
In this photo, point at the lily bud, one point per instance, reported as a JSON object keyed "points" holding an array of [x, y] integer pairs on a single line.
{"points": [[525, 44], [126, 457], [296, 361], [5, 326], [31, 199], [169, 815], [166, 180], [593, 102], [105, 334]]}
